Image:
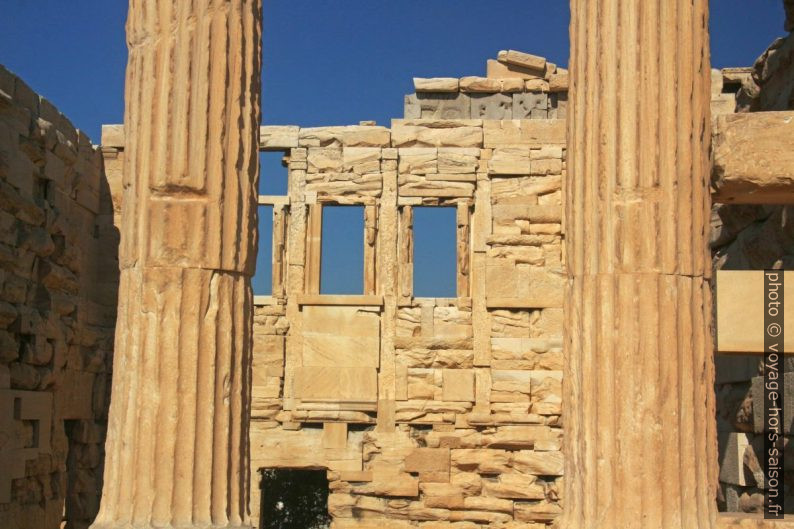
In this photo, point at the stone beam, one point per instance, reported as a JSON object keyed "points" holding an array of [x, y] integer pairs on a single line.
{"points": [[754, 158], [639, 454], [177, 448]]}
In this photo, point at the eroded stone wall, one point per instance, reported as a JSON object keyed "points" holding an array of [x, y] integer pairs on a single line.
{"points": [[425, 412], [58, 288], [750, 237]]}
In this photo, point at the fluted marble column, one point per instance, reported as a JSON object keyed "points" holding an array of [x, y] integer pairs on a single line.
{"points": [[177, 446], [640, 439]]}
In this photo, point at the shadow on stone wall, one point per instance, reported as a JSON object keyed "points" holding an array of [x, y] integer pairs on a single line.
{"points": [[58, 293]]}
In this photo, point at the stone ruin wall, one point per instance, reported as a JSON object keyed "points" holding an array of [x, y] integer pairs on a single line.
{"points": [[58, 288], [751, 237], [425, 412]]}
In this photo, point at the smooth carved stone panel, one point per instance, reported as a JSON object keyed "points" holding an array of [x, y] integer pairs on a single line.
{"points": [[337, 384], [340, 337], [740, 310]]}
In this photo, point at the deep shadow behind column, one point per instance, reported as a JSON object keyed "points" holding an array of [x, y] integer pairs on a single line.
{"points": [[177, 448], [640, 439]]}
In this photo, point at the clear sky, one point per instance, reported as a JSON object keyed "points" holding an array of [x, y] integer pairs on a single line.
{"points": [[329, 62]]}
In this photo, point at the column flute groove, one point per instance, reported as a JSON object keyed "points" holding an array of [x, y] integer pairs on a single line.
{"points": [[177, 449], [640, 429]]}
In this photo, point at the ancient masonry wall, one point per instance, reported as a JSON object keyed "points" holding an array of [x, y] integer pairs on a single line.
{"points": [[425, 412], [58, 287], [749, 237]]}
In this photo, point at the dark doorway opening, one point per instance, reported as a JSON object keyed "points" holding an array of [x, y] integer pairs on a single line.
{"points": [[294, 499]]}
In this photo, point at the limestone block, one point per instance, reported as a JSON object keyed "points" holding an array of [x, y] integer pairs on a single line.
{"points": [[484, 503], [428, 460], [361, 160], [480, 84], [419, 186], [491, 106], [437, 105], [539, 463], [536, 85], [542, 511], [355, 384], [322, 160], [458, 385], [532, 213], [559, 82], [278, 137], [113, 136], [523, 437], [740, 311], [340, 337], [515, 486], [535, 132], [716, 82], [301, 448], [558, 108], [458, 160], [529, 105], [500, 70], [753, 158], [522, 190], [509, 161], [723, 104], [510, 86], [481, 461], [436, 84], [437, 133], [349, 136], [396, 485], [417, 160], [524, 60]]}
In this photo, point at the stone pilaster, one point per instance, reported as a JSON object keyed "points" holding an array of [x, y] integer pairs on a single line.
{"points": [[640, 437], [177, 448]]}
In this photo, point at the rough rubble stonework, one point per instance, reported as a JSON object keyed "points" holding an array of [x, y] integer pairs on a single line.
{"points": [[58, 286], [430, 413], [433, 413], [753, 237]]}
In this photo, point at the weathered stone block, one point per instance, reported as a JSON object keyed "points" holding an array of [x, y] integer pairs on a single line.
{"points": [[458, 385], [428, 460], [435, 133], [529, 104], [524, 60], [275, 137], [494, 106], [480, 84], [437, 106], [436, 84]]}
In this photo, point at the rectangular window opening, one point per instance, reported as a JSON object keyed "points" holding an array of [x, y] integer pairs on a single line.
{"points": [[435, 252], [272, 173], [294, 499], [262, 282], [342, 251]]}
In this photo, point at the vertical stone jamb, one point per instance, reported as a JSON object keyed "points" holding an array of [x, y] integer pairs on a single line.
{"points": [[177, 452], [640, 435]]}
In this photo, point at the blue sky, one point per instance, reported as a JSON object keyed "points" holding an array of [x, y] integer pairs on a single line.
{"points": [[329, 62]]}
